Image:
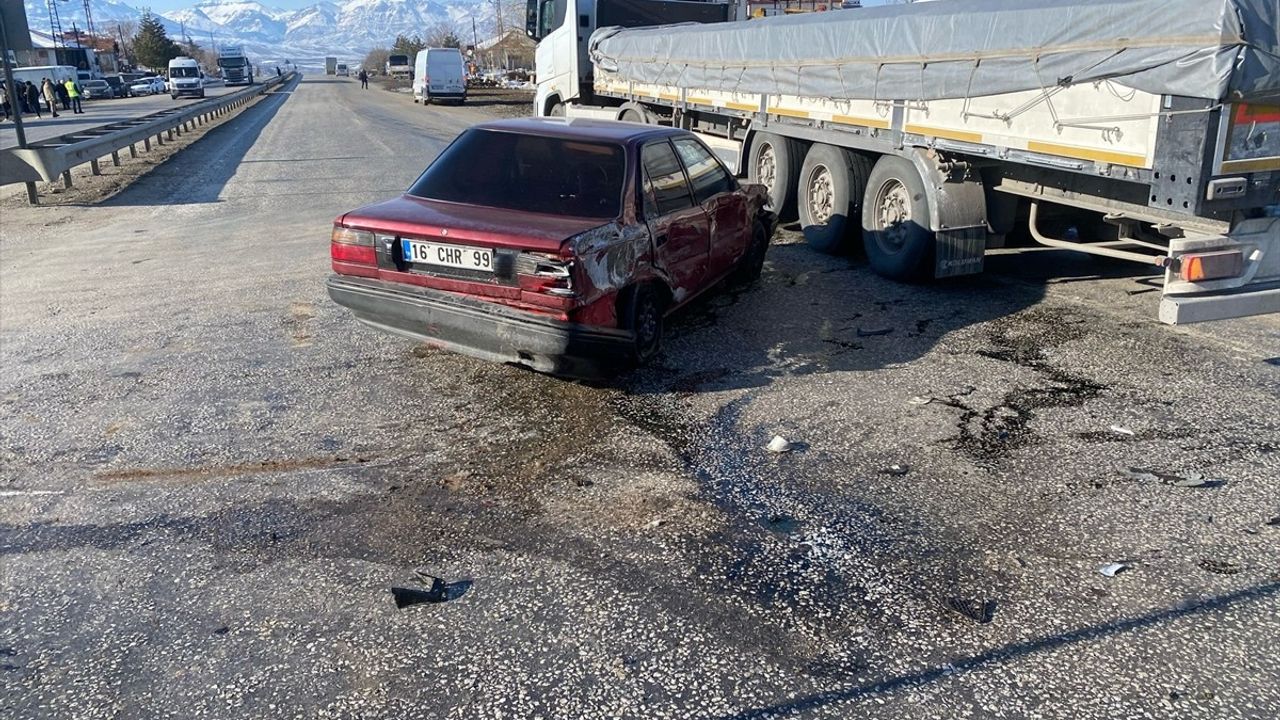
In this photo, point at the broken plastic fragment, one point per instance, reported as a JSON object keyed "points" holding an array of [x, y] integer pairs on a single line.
{"points": [[655, 523], [920, 400], [979, 611], [1122, 430], [896, 470], [1110, 569], [779, 444]]}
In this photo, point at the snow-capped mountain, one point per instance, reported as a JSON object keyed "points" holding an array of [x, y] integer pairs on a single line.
{"points": [[347, 29]]}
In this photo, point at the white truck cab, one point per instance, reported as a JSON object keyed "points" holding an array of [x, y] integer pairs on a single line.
{"points": [[185, 78]]}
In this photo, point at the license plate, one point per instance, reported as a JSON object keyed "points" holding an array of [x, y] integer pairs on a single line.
{"points": [[456, 256]]}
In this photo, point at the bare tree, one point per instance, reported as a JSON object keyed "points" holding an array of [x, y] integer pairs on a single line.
{"points": [[376, 60]]}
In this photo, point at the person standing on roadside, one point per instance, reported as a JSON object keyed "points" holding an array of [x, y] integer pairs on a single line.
{"points": [[364, 79], [32, 96], [73, 90], [50, 95], [63, 97]]}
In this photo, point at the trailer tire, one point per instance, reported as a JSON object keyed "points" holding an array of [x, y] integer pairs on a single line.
{"points": [[774, 161], [895, 221], [829, 192]]}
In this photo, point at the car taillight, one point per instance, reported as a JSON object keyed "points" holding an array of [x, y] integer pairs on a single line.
{"points": [[1197, 267], [348, 245], [545, 273]]}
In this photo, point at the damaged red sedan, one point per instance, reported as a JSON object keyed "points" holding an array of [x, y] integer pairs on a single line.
{"points": [[556, 244]]}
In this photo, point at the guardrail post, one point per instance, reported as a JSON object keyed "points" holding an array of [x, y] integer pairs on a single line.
{"points": [[115, 158], [66, 179], [32, 196], [93, 166], [146, 143]]}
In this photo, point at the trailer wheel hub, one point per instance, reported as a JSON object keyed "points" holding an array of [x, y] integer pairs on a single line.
{"points": [[767, 167], [893, 209], [821, 195]]}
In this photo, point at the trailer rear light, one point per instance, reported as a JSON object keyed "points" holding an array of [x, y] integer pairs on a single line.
{"points": [[1198, 267], [348, 245]]}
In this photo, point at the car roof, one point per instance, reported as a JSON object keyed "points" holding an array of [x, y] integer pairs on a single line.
{"points": [[582, 129]]}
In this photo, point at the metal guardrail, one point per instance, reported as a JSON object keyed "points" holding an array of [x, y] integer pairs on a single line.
{"points": [[52, 158]]}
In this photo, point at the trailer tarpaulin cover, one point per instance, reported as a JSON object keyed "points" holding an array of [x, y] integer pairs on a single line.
{"points": [[1213, 49]]}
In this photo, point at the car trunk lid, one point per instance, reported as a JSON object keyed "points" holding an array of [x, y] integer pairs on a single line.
{"points": [[488, 252]]}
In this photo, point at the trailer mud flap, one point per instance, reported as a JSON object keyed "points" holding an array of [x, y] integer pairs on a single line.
{"points": [[959, 251]]}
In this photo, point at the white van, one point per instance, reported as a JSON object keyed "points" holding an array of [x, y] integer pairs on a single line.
{"points": [[439, 74], [343, 70], [185, 78]]}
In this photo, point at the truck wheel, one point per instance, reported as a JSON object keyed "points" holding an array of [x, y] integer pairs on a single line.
{"points": [[832, 181], [632, 115], [774, 162], [557, 110], [895, 221]]}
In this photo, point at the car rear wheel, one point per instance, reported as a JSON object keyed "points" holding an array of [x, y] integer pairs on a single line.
{"points": [[752, 262], [645, 321]]}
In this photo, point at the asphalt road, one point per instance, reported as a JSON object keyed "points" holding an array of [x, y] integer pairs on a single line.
{"points": [[212, 477], [96, 113]]}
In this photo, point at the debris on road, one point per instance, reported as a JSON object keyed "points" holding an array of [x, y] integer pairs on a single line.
{"points": [[437, 591], [1122, 430], [979, 611], [872, 332], [920, 400], [1187, 480], [655, 523], [896, 470], [779, 444], [1274, 522], [1220, 567], [1111, 569]]}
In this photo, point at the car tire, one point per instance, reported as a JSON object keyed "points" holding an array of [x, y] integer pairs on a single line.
{"points": [[644, 319], [751, 264], [830, 189], [895, 221], [774, 161]]}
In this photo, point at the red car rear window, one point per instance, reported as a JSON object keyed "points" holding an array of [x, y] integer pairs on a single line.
{"points": [[530, 173]]}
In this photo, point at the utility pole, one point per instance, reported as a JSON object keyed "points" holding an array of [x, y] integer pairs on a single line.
{"points": [[14, 105]]}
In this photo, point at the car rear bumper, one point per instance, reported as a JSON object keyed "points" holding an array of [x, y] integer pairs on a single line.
{"points": [[441, 95], [483, 329]]}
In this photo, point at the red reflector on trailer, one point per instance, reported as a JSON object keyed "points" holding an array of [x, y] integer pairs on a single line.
{"points": [[1197, 267], [345, 252]]}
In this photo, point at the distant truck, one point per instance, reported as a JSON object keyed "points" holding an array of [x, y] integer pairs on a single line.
{"points": [[918, 132], [185, 78], [235, 66], [398, 66], [331, 66], [343, 70]]}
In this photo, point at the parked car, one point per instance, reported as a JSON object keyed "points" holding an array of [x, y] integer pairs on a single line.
{"points": [[556, 245], [118, 85], [97, 90], [148, 86]]}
